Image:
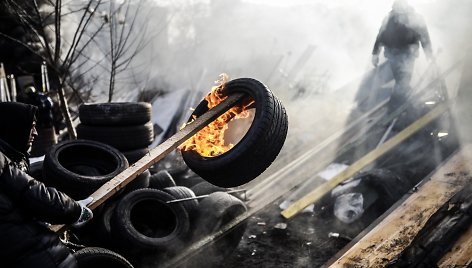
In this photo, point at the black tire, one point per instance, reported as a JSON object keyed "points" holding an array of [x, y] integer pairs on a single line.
{"points": [[79, 167], [215, 211], [95, 257], [181, 192], [388, 184], [174, 164], [101, 224], [143, 221], [134, 155], [188, 181], [204, 188], [36, 170], [141, 181], [161, 180], [123, 138], [257, 149], [115, 114], [380, 189]]}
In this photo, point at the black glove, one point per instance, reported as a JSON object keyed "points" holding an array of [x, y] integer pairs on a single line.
{"points": [[86, 214]]}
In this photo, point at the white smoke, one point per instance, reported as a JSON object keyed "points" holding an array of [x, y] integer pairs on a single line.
{"points": [[312, 54]]}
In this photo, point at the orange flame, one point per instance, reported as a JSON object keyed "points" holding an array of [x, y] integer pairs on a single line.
{"points": [[210, 141]]}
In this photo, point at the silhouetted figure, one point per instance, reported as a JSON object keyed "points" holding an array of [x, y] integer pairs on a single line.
{"points": [[401, 34]]}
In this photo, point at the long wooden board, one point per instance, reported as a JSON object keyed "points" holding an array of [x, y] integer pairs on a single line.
{"points": [[158, 153], [397, 230]]}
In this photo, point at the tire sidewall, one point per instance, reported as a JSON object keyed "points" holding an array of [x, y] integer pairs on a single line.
{"points": [[128, 236], [233, 86]]}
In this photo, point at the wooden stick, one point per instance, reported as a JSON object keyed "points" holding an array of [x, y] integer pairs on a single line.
{"points": [[158, 153]]}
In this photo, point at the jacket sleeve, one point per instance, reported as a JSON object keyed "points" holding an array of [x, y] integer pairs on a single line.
{"points": [[425, 39], [378, 41], [44, 203]]}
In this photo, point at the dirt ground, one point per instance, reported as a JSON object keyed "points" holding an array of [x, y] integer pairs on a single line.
{"points": [[272, 241]]}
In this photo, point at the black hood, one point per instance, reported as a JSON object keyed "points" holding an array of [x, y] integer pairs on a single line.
{"points": [[16, 120]]}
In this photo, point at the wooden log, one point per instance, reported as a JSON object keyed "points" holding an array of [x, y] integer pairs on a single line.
{"points": [[398, 229], [158, 153], [460, 254]]}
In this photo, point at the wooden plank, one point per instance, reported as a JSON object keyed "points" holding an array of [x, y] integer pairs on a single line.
{"points": [[395, 233], [158, 153], [323, 189]]}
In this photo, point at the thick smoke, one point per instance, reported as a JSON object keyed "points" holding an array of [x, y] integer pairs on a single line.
{"points": [[312, 54]]}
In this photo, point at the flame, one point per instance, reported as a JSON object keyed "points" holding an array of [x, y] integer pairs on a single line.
{"points": [[209, 141]]}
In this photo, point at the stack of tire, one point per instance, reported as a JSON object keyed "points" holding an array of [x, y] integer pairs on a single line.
{"points": [[144, 225], [149, 225], [125, 126], [153, 223]]}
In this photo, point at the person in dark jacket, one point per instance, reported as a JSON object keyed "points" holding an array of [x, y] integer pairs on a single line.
{"points": [[401, 34], [26, 205]]}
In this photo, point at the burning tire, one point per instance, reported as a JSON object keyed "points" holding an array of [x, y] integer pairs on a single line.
{"points": [[114, 114], [95, 257], [79, 167], [143, 221], [258, 147]]}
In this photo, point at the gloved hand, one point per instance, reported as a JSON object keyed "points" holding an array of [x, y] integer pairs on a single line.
{"points": [[375, 60], [86, 214]]}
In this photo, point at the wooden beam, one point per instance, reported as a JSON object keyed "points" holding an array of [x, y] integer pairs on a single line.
{"points": [[398, 229], [158, 153], [460, 254], [323, 189]]}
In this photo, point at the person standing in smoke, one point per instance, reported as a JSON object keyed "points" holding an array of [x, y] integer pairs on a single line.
{"points": [[402, 32], [26, 205]]}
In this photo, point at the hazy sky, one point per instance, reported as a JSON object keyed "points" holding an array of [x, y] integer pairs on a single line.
{"points": [[272, 35]]}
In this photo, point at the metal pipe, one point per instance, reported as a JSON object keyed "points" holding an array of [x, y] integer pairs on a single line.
{"points": [[202, 196], [12, 87]]}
